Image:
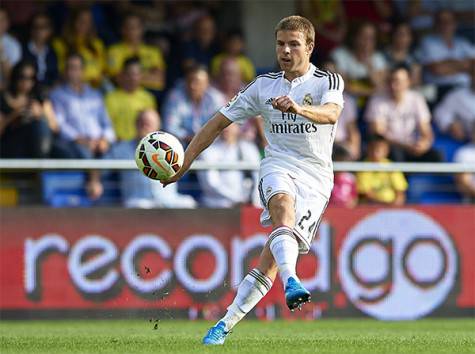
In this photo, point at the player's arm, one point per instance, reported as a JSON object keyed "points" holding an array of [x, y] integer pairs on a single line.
{"points": [[327, 113], [200, 142]]}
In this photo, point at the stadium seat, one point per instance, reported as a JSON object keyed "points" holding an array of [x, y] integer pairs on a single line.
{"points": [[112, 194], [445, 144], [432, 189], [64, 189]]}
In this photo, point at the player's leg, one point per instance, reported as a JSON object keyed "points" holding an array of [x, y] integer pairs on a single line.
{"points": [[251, 290], [285, 248], [282, 242], [255, 284]]}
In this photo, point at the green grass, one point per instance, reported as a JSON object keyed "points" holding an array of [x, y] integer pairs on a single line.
{"points": [[323, 336]]}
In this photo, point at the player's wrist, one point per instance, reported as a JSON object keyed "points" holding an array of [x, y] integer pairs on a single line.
{"points": [[298, 109]]}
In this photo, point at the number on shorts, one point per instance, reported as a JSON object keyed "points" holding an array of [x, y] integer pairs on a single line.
{"points": [[304, 218]]}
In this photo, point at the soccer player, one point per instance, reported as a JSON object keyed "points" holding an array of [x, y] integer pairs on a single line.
{"points": [[300, 106]]}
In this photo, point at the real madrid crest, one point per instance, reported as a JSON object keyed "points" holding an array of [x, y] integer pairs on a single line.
{"points": [[307, 100]]}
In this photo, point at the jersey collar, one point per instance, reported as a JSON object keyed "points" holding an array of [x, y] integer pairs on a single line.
{"points": [[302, 78]]}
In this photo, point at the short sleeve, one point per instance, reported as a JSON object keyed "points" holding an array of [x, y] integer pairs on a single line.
{"points": [[340, 57], [114, 60], [350, 112], [399, 181], [468, 49], [379, 62], [444, 112], [244, 105], [422, 109], [363, 182], [333, 90], [373, 110], [155, 59], [426, 52]]}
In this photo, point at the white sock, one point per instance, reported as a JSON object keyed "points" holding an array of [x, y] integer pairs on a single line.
{"points": [[252, 289], [285, 249]]}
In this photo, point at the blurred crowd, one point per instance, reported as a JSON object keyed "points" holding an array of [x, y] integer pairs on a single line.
{"points": [[87, 79]]}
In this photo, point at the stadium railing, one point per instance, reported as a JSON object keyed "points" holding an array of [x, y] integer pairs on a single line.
{"points": [[62, 182], [97, 164]]}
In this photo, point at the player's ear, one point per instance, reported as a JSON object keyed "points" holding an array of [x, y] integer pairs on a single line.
{"points": [[310, 47]]}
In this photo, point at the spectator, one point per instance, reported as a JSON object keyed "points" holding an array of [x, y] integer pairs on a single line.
{"points": [[132, 45], [466, 181], [347, 133], [229, 83], [455, 115], [225, 189], [80, 37], [138, 191], [402, 117], [377, 12], [446, 58], [363, 68], [190, 105], [152, 13], [202, 48], [419, 14], [330, 22], [344, 193], [399, 51], [229, 78], [10, 50], [81, 113], [234, 48], [124, 103], [381, 187], [26, 120], [39, 50]]}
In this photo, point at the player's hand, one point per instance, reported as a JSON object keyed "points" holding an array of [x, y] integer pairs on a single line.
{"points": [[285, 104], [175, 177]]}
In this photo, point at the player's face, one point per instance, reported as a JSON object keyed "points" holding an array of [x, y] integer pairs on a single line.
{"points": [[293, 54]]}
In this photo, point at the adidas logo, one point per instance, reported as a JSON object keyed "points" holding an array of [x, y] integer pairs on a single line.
{"points": [[269, 100]]}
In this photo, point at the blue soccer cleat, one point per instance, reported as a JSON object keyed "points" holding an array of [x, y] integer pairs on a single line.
{"points": [[295, 294], [216, 335]]}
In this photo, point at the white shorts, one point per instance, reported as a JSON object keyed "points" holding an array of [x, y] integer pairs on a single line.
{"points": [[310, 204]]}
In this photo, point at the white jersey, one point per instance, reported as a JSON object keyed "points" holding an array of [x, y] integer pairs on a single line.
{"points": [[297, 145]]}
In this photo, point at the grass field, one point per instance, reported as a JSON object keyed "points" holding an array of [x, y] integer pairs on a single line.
{"points": [[324, 336]]}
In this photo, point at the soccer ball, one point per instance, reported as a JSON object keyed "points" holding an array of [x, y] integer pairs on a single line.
{"points": [[159, 155]]}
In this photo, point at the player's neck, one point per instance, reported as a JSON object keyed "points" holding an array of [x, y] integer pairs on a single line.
{"points": [[292, 75]]}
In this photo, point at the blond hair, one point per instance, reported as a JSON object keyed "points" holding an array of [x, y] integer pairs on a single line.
{"points": [[297, 23]]}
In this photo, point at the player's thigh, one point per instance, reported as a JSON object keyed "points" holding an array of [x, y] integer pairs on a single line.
{"points": [[309, 210]]}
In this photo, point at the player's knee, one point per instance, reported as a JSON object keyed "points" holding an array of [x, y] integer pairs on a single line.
{"points": [[281, 209]]}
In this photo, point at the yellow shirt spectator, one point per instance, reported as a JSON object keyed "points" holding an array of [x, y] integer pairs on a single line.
{"points": [[94, 58], [150, 58], [383, 185], [247, 68], [123, 108]]}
